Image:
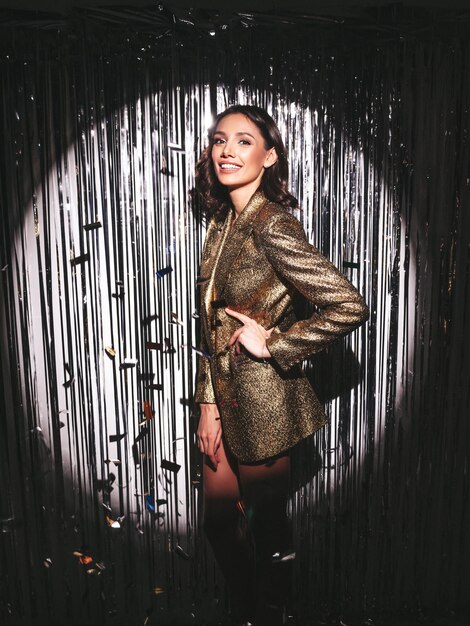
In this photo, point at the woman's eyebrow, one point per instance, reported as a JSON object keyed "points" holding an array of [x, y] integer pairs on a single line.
{"points": [[239, 134]]}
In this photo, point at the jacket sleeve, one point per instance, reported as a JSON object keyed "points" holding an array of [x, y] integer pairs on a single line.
{"points": [[339, 307], [204, 388]]}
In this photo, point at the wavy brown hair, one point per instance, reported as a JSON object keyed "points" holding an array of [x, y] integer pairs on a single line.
{"points": [[214, 196]]}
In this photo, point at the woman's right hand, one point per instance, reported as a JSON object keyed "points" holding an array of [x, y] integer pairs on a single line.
{"points": [[209, 432]]}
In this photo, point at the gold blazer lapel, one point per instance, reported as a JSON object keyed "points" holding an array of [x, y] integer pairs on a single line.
{"points": [[215, 238], [233, 243]]}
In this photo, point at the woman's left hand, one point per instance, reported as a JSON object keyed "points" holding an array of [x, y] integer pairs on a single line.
{"points": [[252, 336]]}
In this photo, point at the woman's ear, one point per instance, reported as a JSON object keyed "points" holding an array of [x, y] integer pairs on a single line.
{"points": [[271, 158]]}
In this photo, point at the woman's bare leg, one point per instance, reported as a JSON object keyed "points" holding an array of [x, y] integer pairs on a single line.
{"points": [[265, 490], [224, 529]]}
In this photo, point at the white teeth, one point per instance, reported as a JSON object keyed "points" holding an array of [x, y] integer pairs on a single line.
{"points": [[229, 166]]}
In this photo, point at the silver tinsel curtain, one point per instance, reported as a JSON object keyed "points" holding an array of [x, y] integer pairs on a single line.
{"points": [[103, 118]]}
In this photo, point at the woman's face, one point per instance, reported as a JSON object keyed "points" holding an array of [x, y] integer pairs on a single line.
{"points": [[239, 154]]}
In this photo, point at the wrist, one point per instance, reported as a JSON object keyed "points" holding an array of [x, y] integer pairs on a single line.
{"points": [[266, 353]]}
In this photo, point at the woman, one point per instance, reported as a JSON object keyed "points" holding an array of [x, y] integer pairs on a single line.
{"points": [[255, 402]]}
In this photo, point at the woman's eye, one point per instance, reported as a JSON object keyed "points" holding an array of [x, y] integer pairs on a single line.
{"points": [[244, 142], [218, 141]]}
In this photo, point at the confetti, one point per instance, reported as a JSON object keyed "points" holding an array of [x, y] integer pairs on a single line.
{"points": [[78, 260], [282, 557], [68, 383], [92, 226], [154, 386], [142, 376], [110, 351], [135, 454], [164, 347], [85, 559], [169, 465], [115, 523], [147, 320], [128, 363], [149, 415], [165, 270], [150, 503], [175, 320], [143, 433], [180, 552], [350, 264], [117, 437]]}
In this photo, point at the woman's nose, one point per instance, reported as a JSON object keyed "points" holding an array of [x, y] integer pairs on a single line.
{"points": [[228, 149]]}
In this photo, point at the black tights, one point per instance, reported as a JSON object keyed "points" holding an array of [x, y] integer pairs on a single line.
{"points": [[244, 545]]}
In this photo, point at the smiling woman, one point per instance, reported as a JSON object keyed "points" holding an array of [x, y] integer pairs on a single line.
{"points": [[256, 403], [258, 151]]}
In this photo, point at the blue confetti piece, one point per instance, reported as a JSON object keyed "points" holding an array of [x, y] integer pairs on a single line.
{"points": [[150, 503], [164, 271]]}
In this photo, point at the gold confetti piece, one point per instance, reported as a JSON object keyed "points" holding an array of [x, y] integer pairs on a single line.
{"points": [[158, 590], [110, 351], [115, 461], [47, 563]]}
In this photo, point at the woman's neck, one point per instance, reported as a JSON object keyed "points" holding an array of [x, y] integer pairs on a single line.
{"points": [[240, 198]]}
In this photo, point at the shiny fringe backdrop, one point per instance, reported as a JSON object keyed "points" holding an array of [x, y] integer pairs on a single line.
{"points": [[103, 116]]}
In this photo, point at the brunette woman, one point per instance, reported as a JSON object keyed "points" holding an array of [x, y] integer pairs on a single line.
{"points": [[255, 401]]}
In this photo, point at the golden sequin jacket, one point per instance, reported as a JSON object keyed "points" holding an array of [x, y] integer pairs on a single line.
{"points": [[255, 266]]}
